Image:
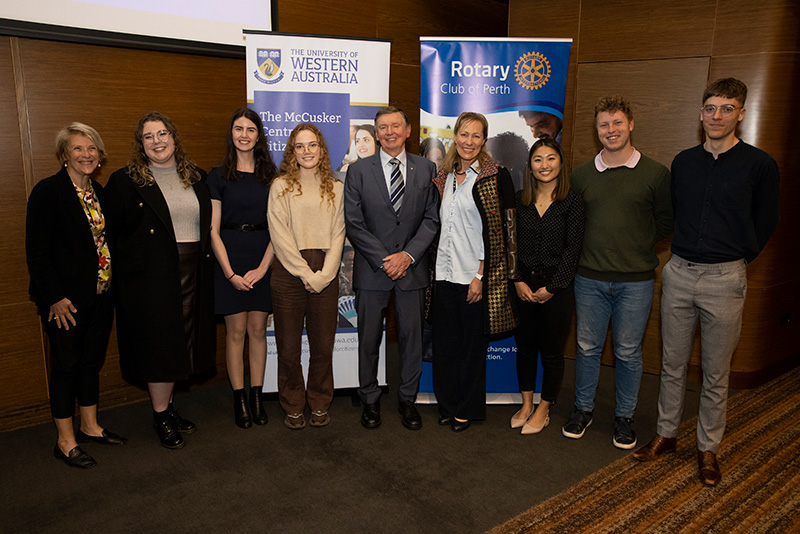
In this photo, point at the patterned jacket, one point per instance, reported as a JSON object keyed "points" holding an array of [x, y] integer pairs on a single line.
{"points": [[494, 196]]}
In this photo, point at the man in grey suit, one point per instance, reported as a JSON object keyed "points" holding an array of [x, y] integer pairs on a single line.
{"points": [[391, 212]]}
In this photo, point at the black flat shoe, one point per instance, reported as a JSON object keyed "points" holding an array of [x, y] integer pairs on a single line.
{"points": [[444, 421], [77, 457], [459, 426], [107, 438]]}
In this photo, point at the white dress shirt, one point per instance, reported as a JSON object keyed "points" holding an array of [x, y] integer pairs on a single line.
{"points": [[460, 249]]}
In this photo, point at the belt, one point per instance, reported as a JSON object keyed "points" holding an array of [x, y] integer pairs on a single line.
{"points": [[246, 227]]}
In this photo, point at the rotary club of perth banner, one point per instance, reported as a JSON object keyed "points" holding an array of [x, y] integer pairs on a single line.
{"points": [[519, 85], [338, 84]]}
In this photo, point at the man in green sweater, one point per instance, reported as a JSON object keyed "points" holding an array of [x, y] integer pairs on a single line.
{"points": [[628, 209]]}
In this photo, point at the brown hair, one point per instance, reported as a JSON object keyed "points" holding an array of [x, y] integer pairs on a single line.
{"points": [[265, 169], [451, 161], [727, 88], [290, 169], [139, 163], [612, 104], [530, 185]]}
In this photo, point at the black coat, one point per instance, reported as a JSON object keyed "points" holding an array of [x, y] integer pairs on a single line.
{"points": [[59, 246], [150, 325]]}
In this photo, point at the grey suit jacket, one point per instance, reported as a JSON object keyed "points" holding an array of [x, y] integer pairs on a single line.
{"points": [[376, 231]]}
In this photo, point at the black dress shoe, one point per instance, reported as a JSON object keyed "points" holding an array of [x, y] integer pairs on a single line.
{"points": [[459, 426], [371, 416], [184, 426], [444, 420], [241, 413], [257, 412], [411, 417], [76, 458], [107, 438], [169, 436]]}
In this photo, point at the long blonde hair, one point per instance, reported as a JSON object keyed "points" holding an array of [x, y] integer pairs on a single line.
{"points": [[139, 164], [290, 170], [451, 160]]}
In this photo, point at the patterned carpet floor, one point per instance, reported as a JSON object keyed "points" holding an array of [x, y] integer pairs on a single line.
{"points": [[759, 491]]}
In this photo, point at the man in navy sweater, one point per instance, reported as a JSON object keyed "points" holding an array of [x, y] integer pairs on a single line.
{"points": [[726, 199]]}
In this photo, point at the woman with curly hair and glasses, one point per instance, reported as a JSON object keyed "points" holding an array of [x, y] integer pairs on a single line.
{"points": [[306, 221], [161, 219]]}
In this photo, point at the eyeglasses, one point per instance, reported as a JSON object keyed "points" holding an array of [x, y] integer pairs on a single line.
{"points": [[160, 135], [725, 109], [300, 147]]}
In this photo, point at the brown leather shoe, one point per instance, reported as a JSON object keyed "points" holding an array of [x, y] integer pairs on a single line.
{"points": [[709, 469], [657, 447]]}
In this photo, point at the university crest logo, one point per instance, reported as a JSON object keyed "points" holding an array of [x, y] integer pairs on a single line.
{"points": [[532, 70], [269, 65]]}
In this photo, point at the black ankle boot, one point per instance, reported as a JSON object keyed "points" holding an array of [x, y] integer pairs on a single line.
{"points": [[241, 413], [184, 426], [167, 433], [257, 406]]}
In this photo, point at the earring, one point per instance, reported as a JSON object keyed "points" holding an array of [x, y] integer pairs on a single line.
{"points": [[65, 164], [99, 165]]}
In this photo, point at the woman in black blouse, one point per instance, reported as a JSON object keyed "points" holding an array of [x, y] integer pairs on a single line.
{"points": [[550, 222]]}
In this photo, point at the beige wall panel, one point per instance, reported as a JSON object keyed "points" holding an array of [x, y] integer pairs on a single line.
{"points": [[635, 29], [663, 93], [746, 27]]}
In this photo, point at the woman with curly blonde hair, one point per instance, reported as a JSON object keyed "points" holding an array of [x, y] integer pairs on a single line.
{"points": [[160, 210], [306, 222]]}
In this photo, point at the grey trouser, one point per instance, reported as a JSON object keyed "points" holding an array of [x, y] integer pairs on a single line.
{"points": [[713, 294]]}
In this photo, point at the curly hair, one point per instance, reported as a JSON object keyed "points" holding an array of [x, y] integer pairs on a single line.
{"points": [[78, 128], [530, 186], [139, 163], [452, 160], [290, 169], [265, 169], [612, 104]]}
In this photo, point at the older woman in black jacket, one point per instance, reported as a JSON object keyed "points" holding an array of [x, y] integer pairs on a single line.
{"points": [[69, 263], [161, 212]]}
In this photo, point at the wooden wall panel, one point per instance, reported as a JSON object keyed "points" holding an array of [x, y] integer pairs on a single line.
{"points": [[747, 27], [635, 29], [351, 19], [22, 357], [666, 115]]}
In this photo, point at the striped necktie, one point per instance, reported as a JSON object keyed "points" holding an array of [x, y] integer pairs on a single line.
{"points": [[396, 185]]}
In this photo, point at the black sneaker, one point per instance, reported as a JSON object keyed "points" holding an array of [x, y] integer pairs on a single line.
{"points": [[624, 434], [577, 424]]}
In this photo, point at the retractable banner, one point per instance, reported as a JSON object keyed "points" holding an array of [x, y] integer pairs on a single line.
{"points": [[520, 86], [338, 84]]}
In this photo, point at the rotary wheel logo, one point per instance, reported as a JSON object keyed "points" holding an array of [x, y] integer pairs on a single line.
{"points": [[532, 70]]}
